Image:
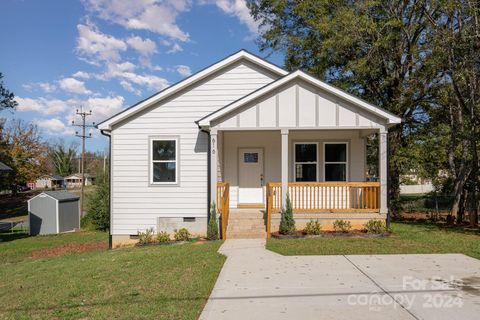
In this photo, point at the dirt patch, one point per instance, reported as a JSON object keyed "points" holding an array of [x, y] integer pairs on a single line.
{"points": [[68, 248]]}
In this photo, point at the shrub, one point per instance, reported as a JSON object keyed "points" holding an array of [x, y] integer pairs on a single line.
{"points": [[97, 204], [212, 228], [146, 237], [287, 223], [313, 227], [342, 225], [163, 237], [375, 226], [182, 235]]}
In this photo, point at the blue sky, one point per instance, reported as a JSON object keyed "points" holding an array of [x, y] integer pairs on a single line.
{"points": [[106, 55]]}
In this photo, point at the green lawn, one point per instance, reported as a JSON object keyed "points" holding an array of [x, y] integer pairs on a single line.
{"points": [[157, 282], [406, 238]]}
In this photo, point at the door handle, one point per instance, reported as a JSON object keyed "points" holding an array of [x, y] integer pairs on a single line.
{"points": [[261, 179]]}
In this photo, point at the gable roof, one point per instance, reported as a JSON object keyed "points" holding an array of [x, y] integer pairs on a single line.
{"points": [[382, 113], [60, 196], [240, 55], [51, 177], [4, 167]]}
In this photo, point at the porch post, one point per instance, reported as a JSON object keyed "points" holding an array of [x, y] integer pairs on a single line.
{"points": [[213, 165], [284, 133], [382, 170]]}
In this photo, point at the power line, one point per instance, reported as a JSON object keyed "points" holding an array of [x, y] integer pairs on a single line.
{"points": [[84, 136]]}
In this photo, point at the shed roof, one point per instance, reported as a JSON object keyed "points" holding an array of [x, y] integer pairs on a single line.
{"points": [[4, 167], [60, 195]]}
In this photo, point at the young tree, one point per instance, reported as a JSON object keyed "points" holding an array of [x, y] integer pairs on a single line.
{"points": [[63, 158], [98, 203], [7, 98], [212, 227], [287, 223]]}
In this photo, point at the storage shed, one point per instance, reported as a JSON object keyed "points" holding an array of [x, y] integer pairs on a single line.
{"points": [[53, 212]]}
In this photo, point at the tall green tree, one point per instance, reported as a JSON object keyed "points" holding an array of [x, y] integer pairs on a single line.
{"points": [[63, 158], [7, 98], [378, 50]]}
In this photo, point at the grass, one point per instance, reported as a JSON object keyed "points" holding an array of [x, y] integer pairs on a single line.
{"points": [[160, 282], [406, 238]]}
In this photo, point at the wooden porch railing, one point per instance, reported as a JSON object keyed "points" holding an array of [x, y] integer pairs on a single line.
{"points": [[318, 197], [223, 206]]}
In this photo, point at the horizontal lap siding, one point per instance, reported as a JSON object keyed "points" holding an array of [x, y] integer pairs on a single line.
{"points": [[135, 204]]}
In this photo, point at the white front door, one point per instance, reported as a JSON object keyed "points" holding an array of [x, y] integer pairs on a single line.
{"points": [[250, 180]]}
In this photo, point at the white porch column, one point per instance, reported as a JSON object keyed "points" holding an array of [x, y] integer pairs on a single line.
{"points": [[213, 165], [382, 169], [284, 133]]}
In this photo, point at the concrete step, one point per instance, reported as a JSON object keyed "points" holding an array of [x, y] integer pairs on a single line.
{"points": [[246, 235], [245, 216], [246, 227]]}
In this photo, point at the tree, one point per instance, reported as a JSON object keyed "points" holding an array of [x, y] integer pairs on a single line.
{"points": [[7, 98], [377, 50], [63, 158], [23, 150], [287, 223], [212, 228], [98, 204]]}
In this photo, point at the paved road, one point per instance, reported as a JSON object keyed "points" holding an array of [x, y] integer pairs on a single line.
{"points": [[258, 284]]}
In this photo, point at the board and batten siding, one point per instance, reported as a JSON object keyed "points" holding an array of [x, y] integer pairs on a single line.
{"points": [[136, 204]]}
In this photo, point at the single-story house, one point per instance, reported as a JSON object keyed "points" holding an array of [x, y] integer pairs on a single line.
{"points": [[48, 182], [243, 133], [75, 180]]}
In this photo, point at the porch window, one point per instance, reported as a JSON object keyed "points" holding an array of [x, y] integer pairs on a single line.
{"points": [[306, 162], [164, 156], [335, 161]]}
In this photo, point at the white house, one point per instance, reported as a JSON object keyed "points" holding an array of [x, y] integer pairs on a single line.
{"points": [[75, 180], [244, 132], [48, 182]]}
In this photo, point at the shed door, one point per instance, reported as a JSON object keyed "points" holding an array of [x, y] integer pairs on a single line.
{"points": [[250, 181]]}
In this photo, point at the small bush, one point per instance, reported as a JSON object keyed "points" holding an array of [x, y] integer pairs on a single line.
{"points": [[163, 237], [146, 237], [182, 235], [313, 227], [342, 226], [97, 204], [375, 226], [287, 223], [212, 227]]}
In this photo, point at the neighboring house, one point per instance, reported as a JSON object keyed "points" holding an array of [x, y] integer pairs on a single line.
{"points": [[411, 183], [244, 130], [4, 168], [75, 180], [48, 182]]}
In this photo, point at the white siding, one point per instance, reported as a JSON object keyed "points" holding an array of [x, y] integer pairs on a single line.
{"points": [[299, 105], [135, 204]]}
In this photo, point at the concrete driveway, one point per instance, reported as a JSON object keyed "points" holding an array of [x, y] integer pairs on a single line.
{"points": [[258, 284]]}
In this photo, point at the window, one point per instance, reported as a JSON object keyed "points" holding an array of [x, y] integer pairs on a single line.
{"points": [[306, 162], [164, 169], [335, 161], [249, 157]]}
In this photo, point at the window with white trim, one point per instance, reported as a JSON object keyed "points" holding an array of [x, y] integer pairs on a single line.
{"points": [[164, 158], [306, 161], [335, 160]]}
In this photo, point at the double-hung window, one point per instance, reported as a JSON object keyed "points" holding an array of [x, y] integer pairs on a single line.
{"points": [[335, 161], [164, 161], [306, 161]]}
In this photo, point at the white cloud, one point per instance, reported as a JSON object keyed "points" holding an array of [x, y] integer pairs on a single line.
{"points": [[156, 16], [145, 47], [73, 85], [238, 9], [44, 86], [183, 70], [54, 126], [42, 105], [81, 75], [94, 46], [152, 82]]}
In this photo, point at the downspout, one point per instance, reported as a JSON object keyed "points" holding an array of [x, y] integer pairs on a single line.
{"points": [[209, 169], [388, 180], [109, 185]]}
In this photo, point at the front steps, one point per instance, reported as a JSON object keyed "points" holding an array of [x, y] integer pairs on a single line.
{"points": [[246, 224]]}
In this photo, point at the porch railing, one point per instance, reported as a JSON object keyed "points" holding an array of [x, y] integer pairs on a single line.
{"points": [[223, 206], [318, 197]]}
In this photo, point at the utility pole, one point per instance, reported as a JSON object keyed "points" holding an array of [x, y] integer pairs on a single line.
{"points": [[84, 136]]}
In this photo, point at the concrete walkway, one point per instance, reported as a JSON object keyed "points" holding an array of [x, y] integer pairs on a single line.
{"points": [[258, 284]]}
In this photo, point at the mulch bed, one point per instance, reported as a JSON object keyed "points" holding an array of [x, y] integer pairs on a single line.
{"points": [[68, 248], [332, 234]]}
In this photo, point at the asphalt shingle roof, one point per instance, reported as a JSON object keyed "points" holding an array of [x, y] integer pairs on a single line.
{"points": [[62, 195], [4, 167]]}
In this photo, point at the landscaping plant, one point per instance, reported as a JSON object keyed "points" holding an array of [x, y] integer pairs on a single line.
{"points": [[146, 237], [375, 226], [163, 237], [342, 226], [313, 227], [97, 204], [212, 228], [182, 235], [287, 223]]}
